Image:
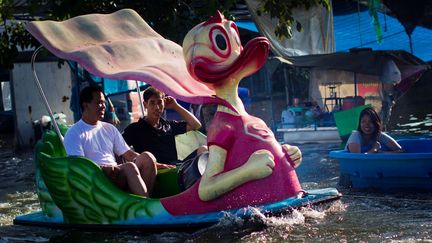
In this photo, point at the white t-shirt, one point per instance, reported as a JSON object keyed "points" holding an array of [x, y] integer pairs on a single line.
{"points": [[97, 142]]}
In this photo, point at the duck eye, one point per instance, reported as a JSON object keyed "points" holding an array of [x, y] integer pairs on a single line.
{"points": [[221, 42]]}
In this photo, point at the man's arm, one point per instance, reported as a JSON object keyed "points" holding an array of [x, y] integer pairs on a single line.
{"points": [[192, 122], [72, 143]]}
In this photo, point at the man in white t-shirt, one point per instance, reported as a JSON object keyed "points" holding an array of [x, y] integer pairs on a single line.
{"points": [[101, 142]]}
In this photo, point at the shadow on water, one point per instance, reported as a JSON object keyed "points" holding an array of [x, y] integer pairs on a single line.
{"points": [[367, 216]]}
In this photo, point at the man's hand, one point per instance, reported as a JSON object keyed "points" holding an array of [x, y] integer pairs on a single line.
{"points": [[192, 122], [164, 166], [170, 102]]}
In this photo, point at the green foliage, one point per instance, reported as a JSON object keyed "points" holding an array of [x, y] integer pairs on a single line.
{"points": [[374, 7], [171, 18], [13, 35], [283, 10]]}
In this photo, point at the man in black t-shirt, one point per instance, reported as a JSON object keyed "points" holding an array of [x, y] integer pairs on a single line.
{"points": [[157, 135]]}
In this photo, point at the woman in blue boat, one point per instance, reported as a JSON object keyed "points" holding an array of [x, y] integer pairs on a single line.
{"points": [[369, 137]]}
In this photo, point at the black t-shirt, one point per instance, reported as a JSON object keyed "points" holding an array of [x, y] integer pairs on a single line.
{"points": [[159, 141]]}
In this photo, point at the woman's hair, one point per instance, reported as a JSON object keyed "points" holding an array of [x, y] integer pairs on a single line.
{"points": [[150, 91], [375, 118], [86, 95]]}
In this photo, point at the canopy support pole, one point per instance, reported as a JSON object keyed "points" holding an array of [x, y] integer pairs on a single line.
{"points": [[355, 88], [47, 106], [286, 87], [140, 98], [410, 43]]}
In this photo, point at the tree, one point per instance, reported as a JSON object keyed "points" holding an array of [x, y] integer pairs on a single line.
{"points": [[171, 18], [13, 36], [283, 10]]}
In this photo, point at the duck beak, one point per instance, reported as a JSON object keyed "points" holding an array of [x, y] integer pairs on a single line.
{"points": [[250, 60]]}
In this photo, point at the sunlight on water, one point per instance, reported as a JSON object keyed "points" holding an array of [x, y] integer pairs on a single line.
{"points": [[336, 207], [24, 239], [415, 125], [16, 204], [4, 206]]}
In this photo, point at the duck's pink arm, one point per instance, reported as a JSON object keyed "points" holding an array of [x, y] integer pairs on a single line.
{"points": [[122, 46]]}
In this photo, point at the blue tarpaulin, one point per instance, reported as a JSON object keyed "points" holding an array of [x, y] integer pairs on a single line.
{"points": [[248, 25], [110, 87], [83, 78], [355, 30]]}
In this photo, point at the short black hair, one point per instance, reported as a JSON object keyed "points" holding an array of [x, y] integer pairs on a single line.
{"points": [[86, 95], [150, 91]]}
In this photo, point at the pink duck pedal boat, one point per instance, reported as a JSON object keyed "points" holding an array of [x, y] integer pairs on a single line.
{"points": [[246, 166]]}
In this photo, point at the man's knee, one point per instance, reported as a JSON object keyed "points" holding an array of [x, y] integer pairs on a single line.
{"points": [[130, 168], [147, 157], [146, 161]]}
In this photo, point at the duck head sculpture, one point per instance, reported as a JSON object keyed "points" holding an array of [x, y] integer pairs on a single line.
{"points": [[214, 54]]}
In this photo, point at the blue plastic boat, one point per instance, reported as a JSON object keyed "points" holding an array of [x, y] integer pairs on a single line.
{"points": [[409, 170]]}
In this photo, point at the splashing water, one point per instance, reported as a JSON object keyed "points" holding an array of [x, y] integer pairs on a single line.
{"points": [[357, 217], [16, 204]]}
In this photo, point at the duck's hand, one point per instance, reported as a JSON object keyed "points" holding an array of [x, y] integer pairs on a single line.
{"points": [[293, 155], [260, 164]]}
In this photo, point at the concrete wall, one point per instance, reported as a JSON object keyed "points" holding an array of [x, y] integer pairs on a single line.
{"points": [[28, 103]]}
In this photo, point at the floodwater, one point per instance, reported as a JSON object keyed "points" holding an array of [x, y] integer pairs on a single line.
{"points": [[356, 217]]}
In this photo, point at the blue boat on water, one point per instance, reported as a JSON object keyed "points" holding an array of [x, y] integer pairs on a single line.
{"points": [[386, 171]]}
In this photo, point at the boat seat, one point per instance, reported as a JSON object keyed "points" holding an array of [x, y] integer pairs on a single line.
{"points": [[75, 189], [167, 179]]}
